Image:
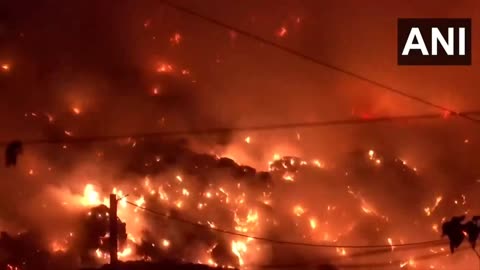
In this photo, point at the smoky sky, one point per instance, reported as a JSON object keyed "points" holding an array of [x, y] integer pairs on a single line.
{"points": [[102, 57], [105, 58]]}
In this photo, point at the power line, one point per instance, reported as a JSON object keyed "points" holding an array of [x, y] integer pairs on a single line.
{"points": [[354, 265], [282, 242], [312, 59], [222, 130]]}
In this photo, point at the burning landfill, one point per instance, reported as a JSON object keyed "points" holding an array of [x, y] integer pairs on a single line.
{"points": [[232, 200], [312, 200]]}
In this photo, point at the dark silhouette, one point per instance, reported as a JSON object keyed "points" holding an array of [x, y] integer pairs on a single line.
{"points": [[453, 229], [14, 149], [94, 233], [472, 230]]}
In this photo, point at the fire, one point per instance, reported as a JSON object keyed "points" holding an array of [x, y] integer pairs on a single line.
{"points": [[390, 242], [179, 178], [50, 117], [100, 254], [341, 251], [175, 39], [163, 195], [239, 248], [165, 243], [57, 247], [140, 201], [247, 224], [298, 210], [90, 196], [5, 67], [147, 23], [212, 263], [163, 68], [288, 177], [313, 223], [410, 262], [179, 193], [127, 251], [429, 210], [282, 32], [317, 163], [179, 204], [76, 110], [366, 209]]}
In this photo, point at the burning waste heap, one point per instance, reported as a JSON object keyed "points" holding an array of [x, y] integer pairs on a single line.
{"points": [[120, 69], [190, 193]]}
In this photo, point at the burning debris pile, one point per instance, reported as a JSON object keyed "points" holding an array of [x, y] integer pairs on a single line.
{"points": [[119, 69], [194, 197]]}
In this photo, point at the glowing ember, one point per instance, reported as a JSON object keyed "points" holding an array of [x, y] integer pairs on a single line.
{"points": [[90, 196], [125, 252], [175, 39], [165, 243], [179, 204], [318, 163], [162, 68], [76, 110], [390, 242], [282, 32], [239, 248], [57, 247], [410, 262], [298, 210], [429, 210], [341, 251], [313, 223], [140, 201], [288, 177]]}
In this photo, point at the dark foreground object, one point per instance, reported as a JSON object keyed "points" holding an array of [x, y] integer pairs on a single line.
{"points": [[174, 265], [151, 266]]}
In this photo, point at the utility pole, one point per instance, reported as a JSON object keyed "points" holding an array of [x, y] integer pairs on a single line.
{"points": [[113, 231]]}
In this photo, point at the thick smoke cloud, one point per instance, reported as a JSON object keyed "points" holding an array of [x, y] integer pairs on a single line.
{"points": [[112, 68]]}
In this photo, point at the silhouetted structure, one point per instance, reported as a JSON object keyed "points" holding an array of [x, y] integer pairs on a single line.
{"points": [[14, 149], [453, 229], [95, 229], [472, 230]]}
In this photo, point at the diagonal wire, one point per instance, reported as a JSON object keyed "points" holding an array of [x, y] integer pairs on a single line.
{"points": [[282, 242], [312, 59], [221, 130], [381, 265]]}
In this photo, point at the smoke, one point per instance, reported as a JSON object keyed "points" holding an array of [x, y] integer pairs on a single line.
{"points": [[79, 69]]}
